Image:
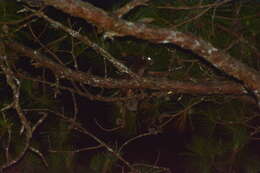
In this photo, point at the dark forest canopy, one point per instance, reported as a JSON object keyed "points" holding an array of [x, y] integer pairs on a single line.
{"points": [[130, 86]]}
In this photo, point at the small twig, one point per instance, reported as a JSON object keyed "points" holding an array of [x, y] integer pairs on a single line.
{"points": [[130, 6], [191, 19], [165, 170], [9, 138], [217, 3], [106, 129], [44, 116], [75, 106], [135, 138], [78, 150], [37, 152], [72, 52], [172, 116]]}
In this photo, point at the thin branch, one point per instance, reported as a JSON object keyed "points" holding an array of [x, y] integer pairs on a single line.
{"points": [[77, 150], [9, 139], [150, 133], [130, 6], [37, 152], [191, 19], [40, 121], [14, 84], [106, 129], [215, 4]]}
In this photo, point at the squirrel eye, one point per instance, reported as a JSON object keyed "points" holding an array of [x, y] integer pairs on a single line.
{"points": [[148, 59]]}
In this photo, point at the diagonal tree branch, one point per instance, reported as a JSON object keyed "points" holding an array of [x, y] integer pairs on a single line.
{"points": [[121, 67], [205, 88]]}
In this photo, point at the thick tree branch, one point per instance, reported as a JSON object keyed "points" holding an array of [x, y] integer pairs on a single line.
{"points": [[205, 88]]}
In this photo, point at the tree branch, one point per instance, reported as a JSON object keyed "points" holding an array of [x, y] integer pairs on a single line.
{"points": [[204, 88]]}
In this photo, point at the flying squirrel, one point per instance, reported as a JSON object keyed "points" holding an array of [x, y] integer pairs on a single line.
{"points": [[139, 65]]}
